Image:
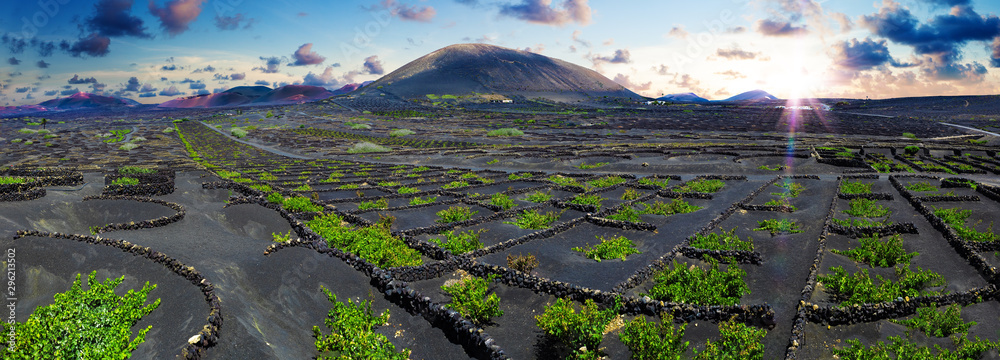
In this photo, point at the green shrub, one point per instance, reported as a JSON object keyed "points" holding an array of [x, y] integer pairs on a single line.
{"points": [[469, 298], [956, 219], [580, 332], [563, 180], [125, 181], [654, 341], [910, 135], [13, 180], [676, 206], [303, 187], [539, 197], [694, 285], [866, 208], [407, 190], [454, 184], [662, 183], [275, 198], [921, 187], [702, 186], [522, 263], [300, 204], [519, 177], [586, 166], [900, 348], [135, 170], [374, 204], [455, 214], [607, 181], [738, 342], [858, 288], [239, 133], [584, 199], [626, 213], [83, 324], [367, 147], [728, 240], [460, 243], [505, 132], [535, 220], [791, 189], [352, 332], [772, 167], [631, 194], [502, 200], [128, 147], [374, 243], [420, 201], [617, 247], [855, 187], [911, 150], [938, 323], [281, 237], [782, 226], [878, 253]]}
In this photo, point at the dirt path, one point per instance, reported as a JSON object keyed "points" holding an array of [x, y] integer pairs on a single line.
{"points": [[259, 146], [972, 128]]}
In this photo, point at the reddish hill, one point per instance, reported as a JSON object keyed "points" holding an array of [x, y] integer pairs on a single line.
{"points": [[85, 100], [290, 94], [206, 101], [18, 110]]}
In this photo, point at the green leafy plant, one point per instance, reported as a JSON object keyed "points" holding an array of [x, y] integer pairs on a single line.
{"points": [[374, 204], [401, 132], [617, 247], [535, 220], [738, 341], [910, 135], [135, 170], [563, 180], [676, 206], [518, 177], [539, 197], [727, 240], [12, 180], [420, 201], [580, 332], [775, 226], [281, 237], [858, 288], [607, 181], [938, 323], [866, 208], [352, 332], [83, 324], [455, 214], [502, 200], [455, 184], [407, 190], [303, 187], [459, 243], [911, 150], [275, 198], [503, 132], [300, 204], [900, 348], [772, 167], [374, 243], [626, 213], [367, 147], [879, 253], [125, 181], [792, 189], [855, 187], [586, 166], [469, 298], [695, 285], [522, 263], [654, 340], [585, 199], [702, 186], [662, 183], [921, 187], [631, 194], [956, 218]]}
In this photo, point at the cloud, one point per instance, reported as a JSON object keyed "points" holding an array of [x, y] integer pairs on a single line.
{"points": [[176, 14], [271, 65], [542, 12], [13, 61], [207, 69], [407, 12], [69, 92], [941, 37], [947, 3], [240, 76], [688, 82], [14, 74], [132, 84], [22, 90], [233, 22], [373, 65], [196, 85], [170, 67], [171, 91], [537, 49], [736, 30], [621, 56], [738, 54], [678, 32], [77, 80], [262, 83], [845, 22], [301, 14], [662, 70], [579, 40], [149, 94], [305, 56], [95, 45], [114, 18], [15, 44], [769, 27], [995, 59], [974, 72], [147, 88], [624, 80], [41, 64], [202, 92], [861, 55], [44, 48], [326, 79], [732, 75], [51, 93]]}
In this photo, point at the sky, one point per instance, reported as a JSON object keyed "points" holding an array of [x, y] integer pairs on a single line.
{"points": [[159, 50]]}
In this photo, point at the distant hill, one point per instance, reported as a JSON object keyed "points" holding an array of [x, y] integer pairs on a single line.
{"points": [[351, 87], [752, 95], [683, 97], [486, 69], [252, 95], [19, 110], [85, 100]]}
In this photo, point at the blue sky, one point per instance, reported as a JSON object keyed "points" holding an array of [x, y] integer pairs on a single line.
{"points": [[156, 51]]}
